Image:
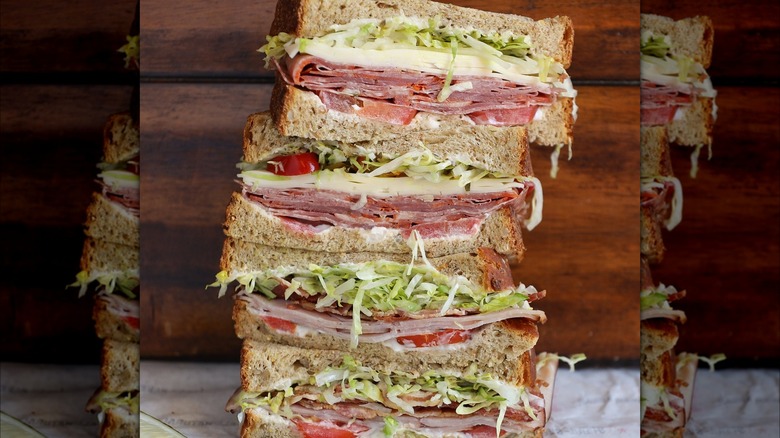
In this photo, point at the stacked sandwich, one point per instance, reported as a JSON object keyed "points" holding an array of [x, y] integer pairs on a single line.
{"points": [[382, 197], [110, 266], [677, 107]]}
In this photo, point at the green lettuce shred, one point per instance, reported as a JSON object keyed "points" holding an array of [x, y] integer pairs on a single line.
{"points": [[125, 282], [655, 46]]}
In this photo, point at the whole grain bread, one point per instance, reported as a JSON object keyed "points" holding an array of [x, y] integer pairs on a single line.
{"points": [[659, 371], [695, 126], [651, 241], [498, 150], [119, 422], [111, 222], [484, 267], [269, 366], [108, 325], [121, 138], [300, 113], [692, 37], [654, 158], [120, 366], [249, 221], [553, 37], [657, 336], [100, 256]]}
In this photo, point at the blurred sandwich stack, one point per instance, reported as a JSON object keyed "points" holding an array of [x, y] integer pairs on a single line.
{"points": [[382, 200], [110, 264], [677, 108]]}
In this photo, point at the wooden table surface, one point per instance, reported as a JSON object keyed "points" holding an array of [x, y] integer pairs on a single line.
{"points": [[200, 79]]}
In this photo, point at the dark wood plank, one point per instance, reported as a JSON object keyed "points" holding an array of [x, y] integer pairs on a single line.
{"points": [[726, 251], [747, 35], [65, 37], [582, 253], [52, 140], [200, 38]]}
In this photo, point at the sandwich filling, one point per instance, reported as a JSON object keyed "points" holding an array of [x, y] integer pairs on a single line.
{"points": [[126, 282], [391, 69], [102, 400], [319, 186], [655, 303], [669, 83], [664, 195], [120, 183], [367, 402], [377, 301]]}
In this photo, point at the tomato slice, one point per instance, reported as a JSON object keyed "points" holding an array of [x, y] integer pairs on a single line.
{"points": [[505, 117], [444, 337], [132, 321], [279, 324], [482, 432], [291, 165], [322, 430]]}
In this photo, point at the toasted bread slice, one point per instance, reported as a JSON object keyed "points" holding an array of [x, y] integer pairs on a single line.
{"points": [[111, 222], [301, 113], [100, 256], [121, 138], [502, 150], [692, 37], [120, 366], [269, 366], [694, 127], [657, 336], [651, 243], [109, 324], [655, 157], [120, 423], [249, 221], [659, 371], [553, 37]]}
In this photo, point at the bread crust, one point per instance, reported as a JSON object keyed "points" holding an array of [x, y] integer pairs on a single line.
{"points": [[102, 256], [657, 336], [655, 156], [651, 242], [695, 126], [121, 138], [246, 220], [553, 37], [505, 152], [109, 221], [557, 126], [120, 423], [269, 367], [120, 366], [692, 37], [110, 326]]}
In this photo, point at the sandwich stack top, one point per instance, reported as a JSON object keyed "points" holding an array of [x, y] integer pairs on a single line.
{"points": [[678, 107], [381, 198]]}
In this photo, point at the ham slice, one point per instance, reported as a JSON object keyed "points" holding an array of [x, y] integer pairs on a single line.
{"points": [[659, 103], [374, 331]]}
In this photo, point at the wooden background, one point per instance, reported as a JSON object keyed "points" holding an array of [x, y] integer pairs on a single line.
{"points": [[201, 77], [61, 78]]}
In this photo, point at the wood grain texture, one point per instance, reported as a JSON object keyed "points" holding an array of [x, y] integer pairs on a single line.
{"points": [[52, 139], [726, 251], [50, 36], [201, 38], [192, 140], [747, 36]]}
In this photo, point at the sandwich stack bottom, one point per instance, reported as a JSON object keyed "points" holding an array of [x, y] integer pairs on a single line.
{"points": [[110, 266]]}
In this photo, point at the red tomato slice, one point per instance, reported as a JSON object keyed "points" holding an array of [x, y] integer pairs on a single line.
{"points": [[369, 108], [132, 321], [483, 432], [505, 117], [445, 337], [291, 165], [322, 430], [279, 324]]}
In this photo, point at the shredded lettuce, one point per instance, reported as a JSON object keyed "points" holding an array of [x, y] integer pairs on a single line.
{"points": [[656, 297], [391, 424], [125, 282], [656, 46], [407, 32], [107, 400], [131, 50]]}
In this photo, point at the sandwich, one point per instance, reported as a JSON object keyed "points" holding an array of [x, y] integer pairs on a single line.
{"points": [[372, 196], [375, 70], [676, 91], [383, 302], [290, 392], [666, 378], [110, 267]]}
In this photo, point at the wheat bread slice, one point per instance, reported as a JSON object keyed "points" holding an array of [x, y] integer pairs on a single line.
{"points": [[651, 244], [659, 371], [110, 325], [301, 113], [249, 221], [553, 37], [657, 336], [655, 157], [692, 37], [694, 127], [111, 222], [120, 423], [100, 256], [121, 138], [503, 150], [120, 366], [271, 367]]}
